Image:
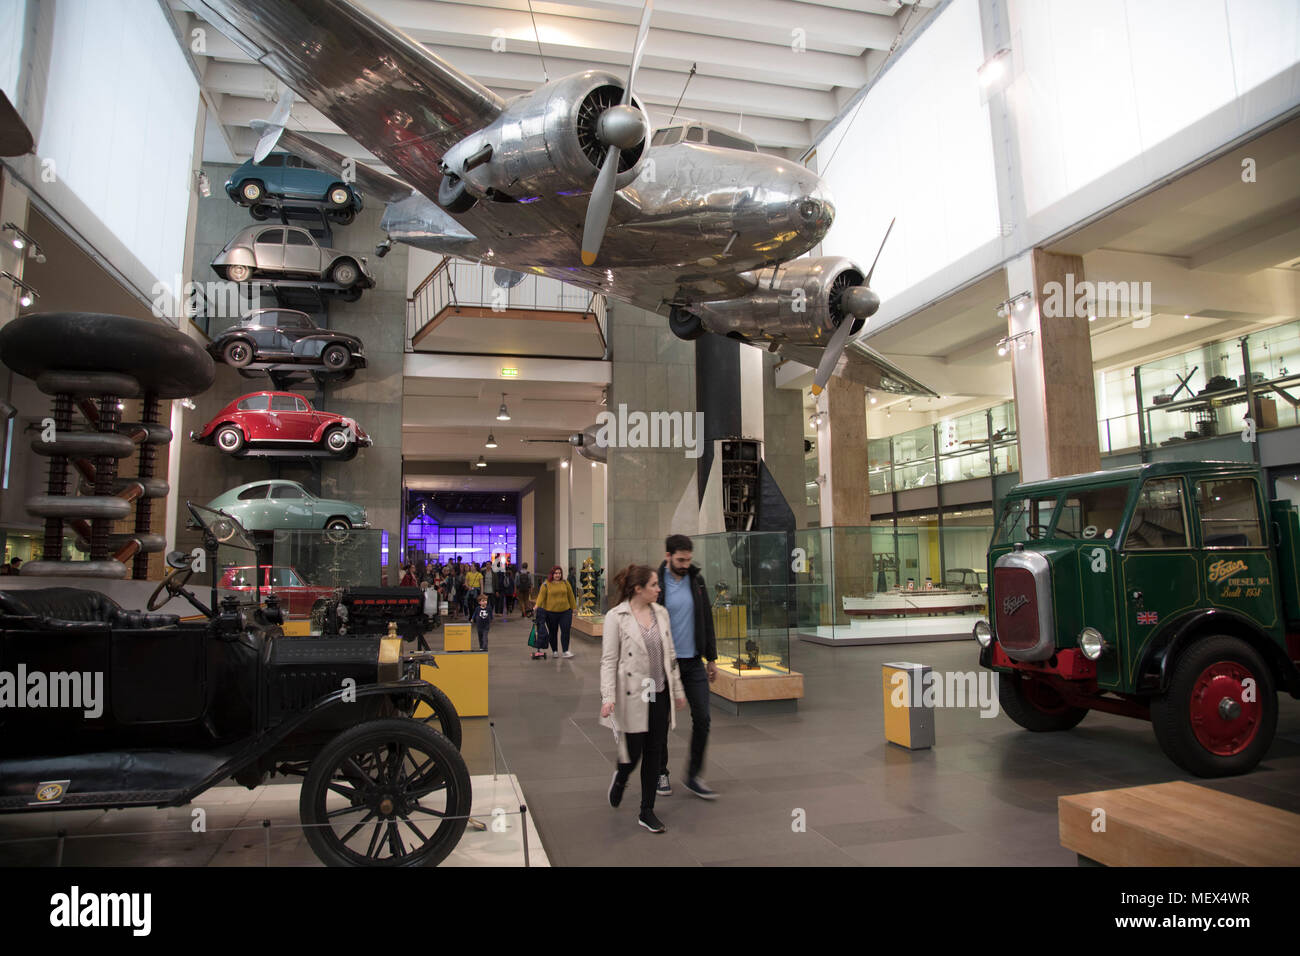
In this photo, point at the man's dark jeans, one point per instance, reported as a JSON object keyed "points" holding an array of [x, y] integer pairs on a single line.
{"points": [[695, 681]]}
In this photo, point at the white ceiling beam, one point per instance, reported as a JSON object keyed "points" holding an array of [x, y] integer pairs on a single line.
{"points": [[487, 369], [664, 48], [831, 29], [1259, 247]]}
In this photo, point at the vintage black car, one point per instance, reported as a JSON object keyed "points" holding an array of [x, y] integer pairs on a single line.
{"points": [[286, 336], [188, 704]]}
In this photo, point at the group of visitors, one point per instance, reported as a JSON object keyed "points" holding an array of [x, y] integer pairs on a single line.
{"points": [[460, 584]]}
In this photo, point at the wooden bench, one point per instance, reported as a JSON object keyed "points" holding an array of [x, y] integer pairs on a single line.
{"points": [[1177, 824]]}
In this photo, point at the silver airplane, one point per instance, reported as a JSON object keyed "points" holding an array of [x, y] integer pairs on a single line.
{"points": [[566, 181]]}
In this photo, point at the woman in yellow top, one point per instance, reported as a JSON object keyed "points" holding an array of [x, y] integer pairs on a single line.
{"points": [[473, 588], [554, 613]]}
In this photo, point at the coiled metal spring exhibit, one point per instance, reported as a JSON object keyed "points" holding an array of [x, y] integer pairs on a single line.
{"points": [[105, 497]]}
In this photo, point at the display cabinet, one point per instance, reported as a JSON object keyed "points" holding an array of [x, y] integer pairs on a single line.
{"points": [[587, 576], [308, 567], [750, 585]]}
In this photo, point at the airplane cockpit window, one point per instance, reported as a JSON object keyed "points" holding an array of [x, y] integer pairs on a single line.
{"points": [[695, 134], [667, 137], [718, 138]]}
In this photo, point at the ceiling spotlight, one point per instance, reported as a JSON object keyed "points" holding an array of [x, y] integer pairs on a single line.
{"points": [[889, 412], [1002, 347], [1023, 344], [593, 464], [22, 240], [25, 299], [871, 398], [188, 404], [480, 463], [503, 413], [1186, 315], [909, 404], [564, 463], [1091, 317], [491, 442]]}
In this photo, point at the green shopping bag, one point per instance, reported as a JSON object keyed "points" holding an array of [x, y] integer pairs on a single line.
{"points": [[532, 637]]}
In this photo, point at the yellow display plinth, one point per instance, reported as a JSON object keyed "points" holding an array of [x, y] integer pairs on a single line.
{"points": [[908, 722], [296, 628], [766, 683], [463, 677], [456, 637]]}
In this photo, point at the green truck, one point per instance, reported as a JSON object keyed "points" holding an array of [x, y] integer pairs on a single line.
{"points": [[1166, 591]]}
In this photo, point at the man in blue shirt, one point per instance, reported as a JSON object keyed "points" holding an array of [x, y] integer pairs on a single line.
{"points": [[691, 618]]}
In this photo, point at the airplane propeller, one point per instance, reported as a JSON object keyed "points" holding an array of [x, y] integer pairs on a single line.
{"points": [[273, 127], [858, 302], [620, 127]]}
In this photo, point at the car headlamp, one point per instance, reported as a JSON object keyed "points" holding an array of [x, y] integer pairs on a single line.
{"points": [[983, 633], [1092, 643]]}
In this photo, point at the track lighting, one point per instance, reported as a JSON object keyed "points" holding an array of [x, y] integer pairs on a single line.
{"points": [[1018, 341], [29, 294], [22, 240]]}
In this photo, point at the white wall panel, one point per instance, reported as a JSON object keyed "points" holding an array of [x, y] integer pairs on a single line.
{"points": [[12, 27], [119, 124], [918, 148], [1135, 85]]}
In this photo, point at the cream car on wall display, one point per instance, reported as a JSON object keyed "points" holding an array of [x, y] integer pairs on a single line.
{"points": [[289, 252]]}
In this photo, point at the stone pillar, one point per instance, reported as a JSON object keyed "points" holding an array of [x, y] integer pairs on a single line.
{"points": [[844, 501], [1056, 407], [652, 491]]}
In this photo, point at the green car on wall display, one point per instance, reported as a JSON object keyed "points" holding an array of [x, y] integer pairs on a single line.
{"points": [[280, 505]]}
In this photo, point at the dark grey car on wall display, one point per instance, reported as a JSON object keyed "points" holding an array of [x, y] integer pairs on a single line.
{"points": [[289, 252], [288, 336]]}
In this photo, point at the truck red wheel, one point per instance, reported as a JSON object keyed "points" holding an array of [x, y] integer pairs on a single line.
{"points": [[1203, 722], [1222, 720]]}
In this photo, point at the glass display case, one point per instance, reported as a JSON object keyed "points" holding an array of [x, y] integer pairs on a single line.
{"points": [[307, 567], [886, 584], [748, 575], [587, 576]]}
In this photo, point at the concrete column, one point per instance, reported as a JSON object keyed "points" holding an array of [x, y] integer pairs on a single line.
{"points": [[842, 454], [1056, 407], [581, 475], [844, 501]]}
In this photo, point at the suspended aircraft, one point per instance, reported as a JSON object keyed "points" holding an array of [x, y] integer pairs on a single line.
{"points": [[567, 181]]}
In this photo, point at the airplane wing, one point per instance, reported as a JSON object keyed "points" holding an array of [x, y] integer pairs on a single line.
{"points": [[390, 94], [373, 183], [862, 365]]}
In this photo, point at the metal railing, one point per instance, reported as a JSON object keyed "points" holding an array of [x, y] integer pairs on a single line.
{"points": [[457, 284]]}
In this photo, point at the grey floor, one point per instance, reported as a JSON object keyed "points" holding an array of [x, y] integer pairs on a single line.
{"points": [[985, 795]]}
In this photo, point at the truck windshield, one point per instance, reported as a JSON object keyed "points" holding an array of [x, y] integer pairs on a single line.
{"points": [[1025, 519], [1092, 513]]}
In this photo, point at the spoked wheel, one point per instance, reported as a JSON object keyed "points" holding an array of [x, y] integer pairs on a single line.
{"points": [[386, 793], [1220, 712], [441, 716]]}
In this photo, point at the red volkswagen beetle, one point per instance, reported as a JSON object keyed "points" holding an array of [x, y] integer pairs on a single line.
{"points": [[281, 419]]}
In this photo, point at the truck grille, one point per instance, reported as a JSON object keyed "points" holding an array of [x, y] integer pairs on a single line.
{"points": [[1016, 608]]}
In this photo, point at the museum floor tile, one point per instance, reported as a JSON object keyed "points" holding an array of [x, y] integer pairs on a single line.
{"points": [[985, 795]]}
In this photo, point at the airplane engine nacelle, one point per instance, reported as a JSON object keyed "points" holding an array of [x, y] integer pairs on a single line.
{"points": [[799, 304], [545, 143]]}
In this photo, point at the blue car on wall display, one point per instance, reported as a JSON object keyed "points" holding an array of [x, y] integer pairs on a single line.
{"points": [[286, 177]]}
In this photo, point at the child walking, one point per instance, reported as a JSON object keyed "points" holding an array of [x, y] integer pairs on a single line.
{"points": [[482, 619]]}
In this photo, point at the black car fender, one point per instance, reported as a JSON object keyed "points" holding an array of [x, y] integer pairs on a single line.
{"points": [[1155, 664], [258, 747]]}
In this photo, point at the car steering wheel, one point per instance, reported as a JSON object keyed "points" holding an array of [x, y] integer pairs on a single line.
{"points": [[1037, 531], [178, 575]]}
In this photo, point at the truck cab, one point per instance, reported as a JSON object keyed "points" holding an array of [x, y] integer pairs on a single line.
{"points": [[1165, 591]]}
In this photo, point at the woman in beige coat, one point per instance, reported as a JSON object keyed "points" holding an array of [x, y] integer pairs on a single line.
{"points": [[638, 676]]}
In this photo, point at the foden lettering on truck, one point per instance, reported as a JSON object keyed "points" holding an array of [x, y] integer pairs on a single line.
{"points": [[1168, 591]]}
